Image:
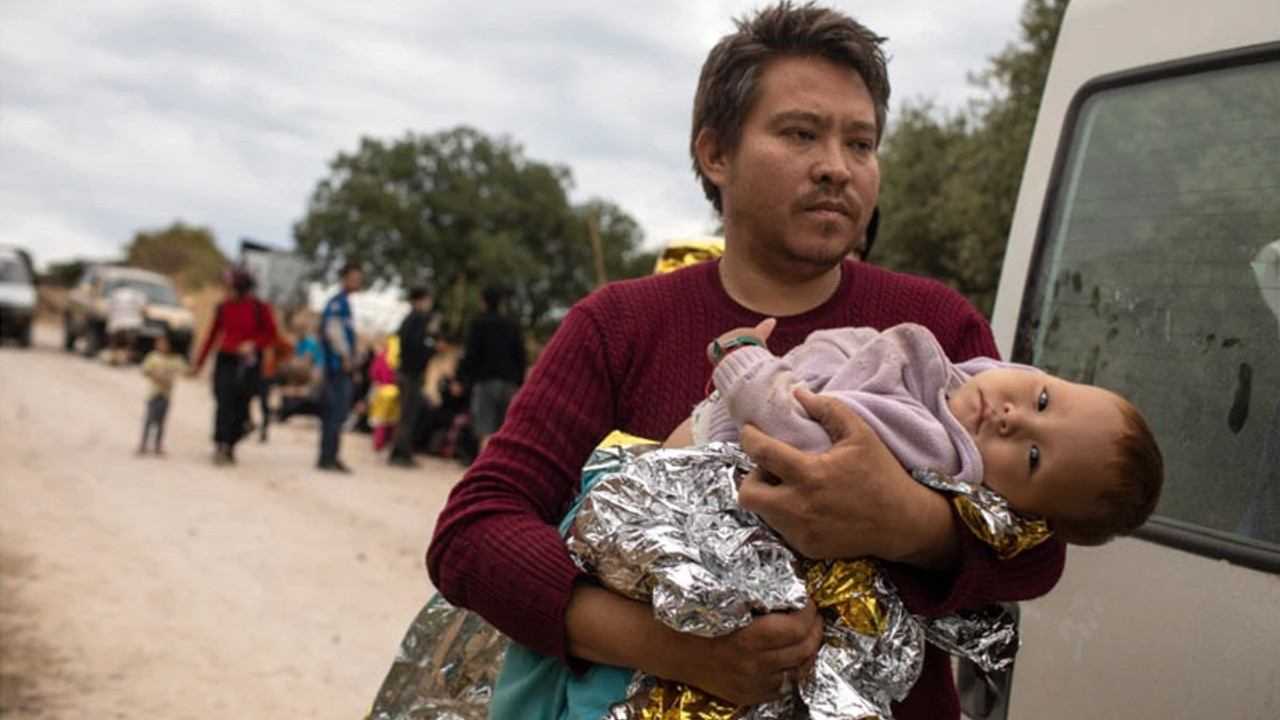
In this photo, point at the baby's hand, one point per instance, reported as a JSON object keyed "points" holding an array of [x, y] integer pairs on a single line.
{"points": [[760, 332]]}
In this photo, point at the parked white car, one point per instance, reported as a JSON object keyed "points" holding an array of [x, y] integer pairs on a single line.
{"points": [[17, 296]]}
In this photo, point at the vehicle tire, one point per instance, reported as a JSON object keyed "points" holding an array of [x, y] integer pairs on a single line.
{"points": [[25, 338], [68, 335], [95, 340]]}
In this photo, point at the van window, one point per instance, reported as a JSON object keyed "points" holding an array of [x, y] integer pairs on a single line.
{"points": [[1158, 276]]}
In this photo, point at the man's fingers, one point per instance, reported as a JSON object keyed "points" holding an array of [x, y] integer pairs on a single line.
{"points": [[838, 419], [775, 456], [759, 491]]}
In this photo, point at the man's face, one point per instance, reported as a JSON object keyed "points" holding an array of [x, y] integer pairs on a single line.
{"points": [[353, 280], [799, 188], [1045, 442]]}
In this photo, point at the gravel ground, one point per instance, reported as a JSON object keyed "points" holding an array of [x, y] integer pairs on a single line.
{"points": [[148, 587]]}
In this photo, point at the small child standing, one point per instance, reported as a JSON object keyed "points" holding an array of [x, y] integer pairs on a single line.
{"points": [[160, 366]]}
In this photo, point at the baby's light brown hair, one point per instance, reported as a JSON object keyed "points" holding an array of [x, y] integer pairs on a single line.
{"points": [[1138, 472]]}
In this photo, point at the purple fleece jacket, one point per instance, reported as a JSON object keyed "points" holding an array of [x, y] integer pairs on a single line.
{"points": [[897, 380]]}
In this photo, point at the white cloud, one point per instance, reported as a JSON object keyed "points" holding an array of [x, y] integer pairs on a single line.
{"points": [[121, 116]]}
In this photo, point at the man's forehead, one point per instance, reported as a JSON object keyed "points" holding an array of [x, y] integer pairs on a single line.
{"points": [[812, 81]]}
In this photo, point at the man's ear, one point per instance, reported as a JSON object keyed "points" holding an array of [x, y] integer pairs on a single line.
{"points": [[712, 157]]}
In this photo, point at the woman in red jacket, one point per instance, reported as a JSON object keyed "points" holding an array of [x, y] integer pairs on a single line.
{"points": [[242, 328]]}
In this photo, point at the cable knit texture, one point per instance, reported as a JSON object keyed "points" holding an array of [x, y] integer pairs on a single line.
{"points": [[632, 357]]}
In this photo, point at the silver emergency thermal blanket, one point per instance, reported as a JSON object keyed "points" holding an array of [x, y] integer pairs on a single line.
{"points": [[445, 667], [664, 527], [987, 514]]}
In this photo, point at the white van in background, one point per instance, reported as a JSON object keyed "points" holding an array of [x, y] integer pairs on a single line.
{"points": [[1144, 256]]}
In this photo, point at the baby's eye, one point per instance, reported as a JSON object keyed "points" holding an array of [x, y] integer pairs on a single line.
{"points": [[1035, 457], [1043, 401]]}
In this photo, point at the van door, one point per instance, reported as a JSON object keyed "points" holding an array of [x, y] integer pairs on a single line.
{"points": [[1155, 274]]}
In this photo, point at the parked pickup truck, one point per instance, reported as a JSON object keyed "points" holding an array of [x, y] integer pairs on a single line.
{"points": [[85, 320]]}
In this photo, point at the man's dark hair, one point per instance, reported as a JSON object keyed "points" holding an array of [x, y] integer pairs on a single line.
{"points": [[730, 80], [492, 297], [348, 268], [418, 292]]}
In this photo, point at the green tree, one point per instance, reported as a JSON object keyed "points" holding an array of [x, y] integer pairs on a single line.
{"points": [[951, 180], [67, 272], [459, 210], [186, 253]]}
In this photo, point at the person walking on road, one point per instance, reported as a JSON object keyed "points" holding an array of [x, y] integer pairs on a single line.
{"points": [[418, 333], [493, 365], [242, 327], [338, 350], [161, 366]]}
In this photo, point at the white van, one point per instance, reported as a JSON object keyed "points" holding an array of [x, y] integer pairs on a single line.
{"points": [[1144, 256]]}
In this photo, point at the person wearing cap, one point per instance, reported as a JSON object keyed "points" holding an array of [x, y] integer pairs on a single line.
{"points": [[243, 325]]}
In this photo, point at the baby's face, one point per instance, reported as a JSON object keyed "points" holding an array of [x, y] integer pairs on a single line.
{"points": [[1045, 442]]}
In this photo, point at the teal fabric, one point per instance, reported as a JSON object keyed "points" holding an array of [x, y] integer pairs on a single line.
{"points": [[533, 686]]}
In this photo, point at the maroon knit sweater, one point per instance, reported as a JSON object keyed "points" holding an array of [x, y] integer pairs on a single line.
{"points": [[632, 356]]}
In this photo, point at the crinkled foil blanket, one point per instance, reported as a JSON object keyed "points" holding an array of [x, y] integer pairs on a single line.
{"points": [[665, 527]]}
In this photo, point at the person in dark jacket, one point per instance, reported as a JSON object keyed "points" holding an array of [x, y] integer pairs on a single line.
{"points": [[493, 365], [417, 335]]}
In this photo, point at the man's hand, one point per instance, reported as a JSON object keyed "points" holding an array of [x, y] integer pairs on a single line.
{"points": [[759, 662], [852, 500], [745, 667]]}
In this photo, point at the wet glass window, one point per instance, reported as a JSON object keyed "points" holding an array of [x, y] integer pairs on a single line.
{"points": [[1159, 278]]}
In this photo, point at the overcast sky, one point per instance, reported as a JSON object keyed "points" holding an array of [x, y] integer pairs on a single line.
{"points": [[120, 115]]}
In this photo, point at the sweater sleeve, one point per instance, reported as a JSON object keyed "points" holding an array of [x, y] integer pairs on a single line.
{"points": [[983, 578], [496, 549], [758, 389]]}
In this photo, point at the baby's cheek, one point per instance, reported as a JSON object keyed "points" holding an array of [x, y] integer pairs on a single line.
{"points": [[999, 471]]}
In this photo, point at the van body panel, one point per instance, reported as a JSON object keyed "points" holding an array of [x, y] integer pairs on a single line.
{"points": [[1144, 632], [1155, 626]]}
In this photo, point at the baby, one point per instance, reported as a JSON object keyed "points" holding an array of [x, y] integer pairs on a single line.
{"points": [[1079, 457]]}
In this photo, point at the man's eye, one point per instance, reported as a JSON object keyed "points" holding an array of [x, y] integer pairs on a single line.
{"points": [[1035, 457], [799, 134], [1043, 401]]}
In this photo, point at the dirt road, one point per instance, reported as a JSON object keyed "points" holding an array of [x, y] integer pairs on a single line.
{"points": [[147, 588]]}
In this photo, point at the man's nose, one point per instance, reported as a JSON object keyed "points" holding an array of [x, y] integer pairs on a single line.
{"points": [[832, 168]]}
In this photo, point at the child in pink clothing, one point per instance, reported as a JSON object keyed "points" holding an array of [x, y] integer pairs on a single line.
{"points": [[384, 399]]}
